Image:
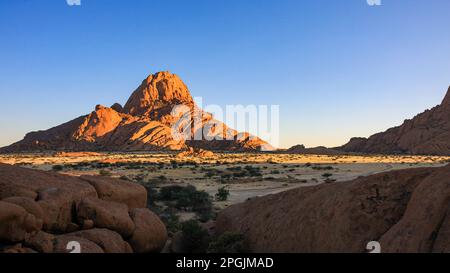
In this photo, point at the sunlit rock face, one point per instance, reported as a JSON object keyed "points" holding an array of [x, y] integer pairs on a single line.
{"points": [[148, 121]]}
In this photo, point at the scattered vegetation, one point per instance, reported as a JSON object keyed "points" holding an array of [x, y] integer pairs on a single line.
{"points": [[222, 194], [195, 238], [189, 199], [105, 173], [57, 168], [228, 242]]}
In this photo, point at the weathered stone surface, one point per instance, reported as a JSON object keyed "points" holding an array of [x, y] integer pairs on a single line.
{"points": [[108, 240], [120, 191], [150, 234], [424, 223], [106, 214], [16, 224], [41, 242], [18, 248], [30, 206], [61, 243], [406, 211], [56, 194], [65, 204]]}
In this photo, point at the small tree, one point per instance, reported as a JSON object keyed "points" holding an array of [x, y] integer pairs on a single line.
{"points": [[57, 168], [195, 238], [222, 194], [228, 242]]}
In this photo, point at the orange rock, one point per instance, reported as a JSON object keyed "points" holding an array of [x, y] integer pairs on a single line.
{"points": [[150, 234], [144, 124], [106, 214], [120, 191]]}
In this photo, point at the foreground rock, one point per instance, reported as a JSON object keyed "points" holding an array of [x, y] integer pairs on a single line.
{"points": [[406, 211], [150, 233], [161, 103], [428, 133], [44, 211]]}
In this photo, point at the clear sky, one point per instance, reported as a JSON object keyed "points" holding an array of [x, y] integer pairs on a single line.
{"points": [[337, 68]]}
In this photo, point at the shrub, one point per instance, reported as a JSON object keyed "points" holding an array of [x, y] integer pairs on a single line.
{"points": [[195, 238], [169, 192], [189, 198], [228, 242], [170, 220], [105, 173], [327, 175], [222, 194], [57, 168]]}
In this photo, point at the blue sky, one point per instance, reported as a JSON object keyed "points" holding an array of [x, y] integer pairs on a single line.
{"points": [[337, 68]]}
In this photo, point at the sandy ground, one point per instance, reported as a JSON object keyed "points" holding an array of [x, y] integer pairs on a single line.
{"points": [[275, 172]]}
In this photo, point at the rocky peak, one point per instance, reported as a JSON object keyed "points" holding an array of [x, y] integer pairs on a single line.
{"points": [[159, 91], [117, 107], [446, 101]]}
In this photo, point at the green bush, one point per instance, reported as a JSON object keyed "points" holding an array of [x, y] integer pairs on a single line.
{"points": [[188, 198], [195, 238], [222, 194], [57, 168], [105, 173], [228, 242]]}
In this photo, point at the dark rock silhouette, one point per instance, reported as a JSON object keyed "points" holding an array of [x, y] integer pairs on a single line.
{"points": [[428, 133]]}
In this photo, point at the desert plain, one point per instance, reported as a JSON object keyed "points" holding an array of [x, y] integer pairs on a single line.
{"points": [[244, 175]]}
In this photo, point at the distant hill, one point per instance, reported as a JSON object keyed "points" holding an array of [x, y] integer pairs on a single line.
{"points": [[428, 133]]}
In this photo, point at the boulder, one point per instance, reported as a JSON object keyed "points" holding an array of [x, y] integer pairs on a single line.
{"points": [[64, 244], [424, 226], [56, 194], [106, 214], [108, 240], [57, 209], [109, 189], [16, 224], [30, 206], [150, 234], [18, 248], [41, 242], [401, 209]]}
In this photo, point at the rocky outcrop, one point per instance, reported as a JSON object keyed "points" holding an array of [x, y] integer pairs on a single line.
{"points": [[44, 211], [428, 133], [119, 191], [149, 234], [301, 149], [192, 152], [159, 115], [406, 211]]}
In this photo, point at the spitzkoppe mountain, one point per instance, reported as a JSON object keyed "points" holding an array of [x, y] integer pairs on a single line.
{"points": [[428, 133], [145, 123]]}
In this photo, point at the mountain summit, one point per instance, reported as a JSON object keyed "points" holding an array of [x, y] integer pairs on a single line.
{"points": [[427, 133], [145, 123]]}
